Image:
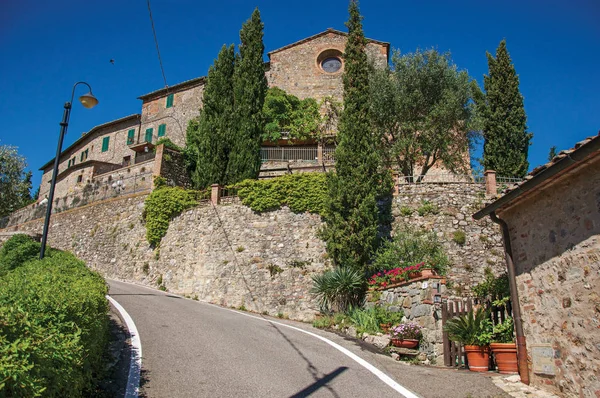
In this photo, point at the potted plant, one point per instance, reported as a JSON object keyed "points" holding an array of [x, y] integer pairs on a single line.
{"points": [[504, 348], [406, 335], [474, 331]]}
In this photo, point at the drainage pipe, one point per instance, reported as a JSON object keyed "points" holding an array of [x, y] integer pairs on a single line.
{"points": [[514, 298]]}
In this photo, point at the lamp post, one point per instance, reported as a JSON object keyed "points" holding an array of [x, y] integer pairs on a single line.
{"points": [[88, 101]]}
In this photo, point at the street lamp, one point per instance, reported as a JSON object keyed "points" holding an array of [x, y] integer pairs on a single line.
{"points": [[89, 101]]}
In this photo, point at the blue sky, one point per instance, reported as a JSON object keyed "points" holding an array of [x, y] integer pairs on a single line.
{"points": [[47, 46]]}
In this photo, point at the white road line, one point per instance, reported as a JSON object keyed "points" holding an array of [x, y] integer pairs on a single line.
{"points": [[382, 376], [135, 365]]}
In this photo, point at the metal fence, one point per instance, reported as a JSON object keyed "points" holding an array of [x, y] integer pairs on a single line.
{"points": [[446, 178], [286, 154], [96, 190]]}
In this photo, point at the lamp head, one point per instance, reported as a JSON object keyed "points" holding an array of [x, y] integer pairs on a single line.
{"points": [[88, 100]]}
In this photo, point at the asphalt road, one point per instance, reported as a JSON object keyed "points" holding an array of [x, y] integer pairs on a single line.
{"points": [[194, 349]]}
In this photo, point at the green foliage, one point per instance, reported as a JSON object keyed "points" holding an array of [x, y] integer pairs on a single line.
{"points": [[473, 328], [492, 286], [369, 320], [249, 91], [503, 332], [16, 251], [504, 120], [423, 112], [352, 214], [411, 246], [300, 192], [427, 208], [53, 328], [339, 289], [286, 113], [161, 206], [15, 183], [552, 153], [168, 144], [406, 211], [274, 269], [459, 237], [209, 138]]}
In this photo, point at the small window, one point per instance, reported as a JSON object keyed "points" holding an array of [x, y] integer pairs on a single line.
{"points": [[162, 129], [79, 178], [130, 136], [84, 156], [69, 164], [105, 142], [170, 100], [149, 135]]}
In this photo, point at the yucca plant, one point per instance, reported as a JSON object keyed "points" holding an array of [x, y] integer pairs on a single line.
{"points": [[339, 289], [473, 328]]}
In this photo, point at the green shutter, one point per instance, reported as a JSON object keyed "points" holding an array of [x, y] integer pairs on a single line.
{"points": [[162, 129], [81, 157], [105, 142], [170, 100], [69, 164], [130, 136], [149, 135]]}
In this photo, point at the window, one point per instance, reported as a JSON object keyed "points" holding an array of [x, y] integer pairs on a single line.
{"points": [[149, 135], [71, 162], [130, 136], [105, 142], [84, 156], [162, 129], [79, 178], [330, 61], [170, 100]]}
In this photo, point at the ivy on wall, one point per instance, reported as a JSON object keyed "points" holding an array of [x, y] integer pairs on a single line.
{"points": [[300, 192], [162, 205]]}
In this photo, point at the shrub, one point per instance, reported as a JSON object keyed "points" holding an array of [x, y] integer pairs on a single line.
{"points": [[16, 251], [168, 144], [427, 208], [161, 206], [409, 247], [300, 192], [339, 289], [406, 331], [473, 328], [53, 328], [459, 237], [406, 211]]}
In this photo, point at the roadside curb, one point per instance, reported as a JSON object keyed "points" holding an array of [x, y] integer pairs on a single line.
{"points": [[135, 364]]}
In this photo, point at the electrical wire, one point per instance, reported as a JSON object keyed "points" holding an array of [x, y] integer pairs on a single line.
{"points": [[157, 49]]}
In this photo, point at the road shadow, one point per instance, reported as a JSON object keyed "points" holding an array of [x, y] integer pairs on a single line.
{"points": [[145, 294], [320, 383]]}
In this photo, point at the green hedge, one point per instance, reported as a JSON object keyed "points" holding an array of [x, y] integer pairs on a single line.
{"points": [[53, 327], [300, 192]]}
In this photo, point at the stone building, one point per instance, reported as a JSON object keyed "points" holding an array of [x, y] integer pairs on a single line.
{"points": [[123, 148], [552, 222]]}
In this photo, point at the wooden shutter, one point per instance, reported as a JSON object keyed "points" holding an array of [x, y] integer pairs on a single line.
{"points": [[105, 142], [162, 129], [130, 136], [170, 100], [149, 135]]}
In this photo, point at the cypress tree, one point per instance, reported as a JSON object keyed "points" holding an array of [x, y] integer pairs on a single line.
{"points": [[209, 137], [352, 219], [249, 90], [504, 121]]}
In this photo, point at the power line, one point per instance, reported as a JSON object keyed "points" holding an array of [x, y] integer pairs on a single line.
{"points": [[157, 49]]}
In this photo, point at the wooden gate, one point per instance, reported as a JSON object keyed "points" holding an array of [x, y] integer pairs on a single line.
{"points": [[454, 353]]}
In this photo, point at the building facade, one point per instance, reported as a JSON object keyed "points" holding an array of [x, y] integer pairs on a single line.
{"points": [[124, 148]]}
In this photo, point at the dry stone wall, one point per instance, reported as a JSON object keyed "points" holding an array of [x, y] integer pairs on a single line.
{"points": [[446, 209], [231, 256]]}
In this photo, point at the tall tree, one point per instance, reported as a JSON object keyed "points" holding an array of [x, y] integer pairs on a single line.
{"points": [[249, 90], [504, 121], [352, 219], [423, 112], [209, 137], [15, 183]]}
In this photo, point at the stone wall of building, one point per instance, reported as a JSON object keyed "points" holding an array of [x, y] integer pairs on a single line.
{"points": [[416, 299], [452, 205], [228, 255], [555, 236], [297, 70], [172, 167]]}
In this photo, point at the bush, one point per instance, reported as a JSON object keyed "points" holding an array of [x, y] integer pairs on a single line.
{"points": [[459, 237], [161, 206], [300, 192], [53, 328], [339, 289], [16, 251], [427, 208], [410, 247]]}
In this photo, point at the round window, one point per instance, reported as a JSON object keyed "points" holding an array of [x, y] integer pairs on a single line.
{"points": [[331, 64]]}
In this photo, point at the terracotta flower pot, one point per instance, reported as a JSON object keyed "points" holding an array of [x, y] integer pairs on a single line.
{"points": [[427, 272], [407, 343], [414, 274], [506, 357], [478, 358]]}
